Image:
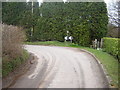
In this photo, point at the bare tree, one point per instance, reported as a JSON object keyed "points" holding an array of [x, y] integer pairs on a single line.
{"points": [[114, 19]]}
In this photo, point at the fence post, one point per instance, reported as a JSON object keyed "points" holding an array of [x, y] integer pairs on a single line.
{"points": [[101, 43], [95, 43], [98, 45]]}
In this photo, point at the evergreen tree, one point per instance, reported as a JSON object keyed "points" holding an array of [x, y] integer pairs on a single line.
{"points": [[85, 21]]}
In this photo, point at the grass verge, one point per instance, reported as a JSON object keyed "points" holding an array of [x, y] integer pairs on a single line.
{"points": [[11, 65], [108, 61]]}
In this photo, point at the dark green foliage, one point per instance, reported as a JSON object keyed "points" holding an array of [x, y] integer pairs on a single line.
{"points": [[111, 45], [81, 35], [20, 14], [85, 21], [12, 12]]}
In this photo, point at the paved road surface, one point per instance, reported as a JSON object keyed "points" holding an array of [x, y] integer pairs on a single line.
{"points": [[62, 67]]}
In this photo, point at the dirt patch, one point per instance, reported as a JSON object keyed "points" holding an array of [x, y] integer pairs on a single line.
{"points": [[13, 76]]}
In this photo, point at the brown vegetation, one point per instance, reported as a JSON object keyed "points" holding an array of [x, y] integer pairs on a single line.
{"points": [[12, 38], [113, 31]]}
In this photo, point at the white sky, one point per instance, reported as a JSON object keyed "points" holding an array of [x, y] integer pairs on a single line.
{"points": [[107, 1], [40, 0]]}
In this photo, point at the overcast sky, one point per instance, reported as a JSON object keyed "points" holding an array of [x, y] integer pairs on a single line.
{"points": [[107, 1]]}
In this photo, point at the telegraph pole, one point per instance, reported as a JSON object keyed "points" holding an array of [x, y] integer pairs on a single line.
{"points": [[32, 16]]}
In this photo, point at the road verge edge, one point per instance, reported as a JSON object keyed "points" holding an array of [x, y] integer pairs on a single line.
{"points": [[100, 65]]}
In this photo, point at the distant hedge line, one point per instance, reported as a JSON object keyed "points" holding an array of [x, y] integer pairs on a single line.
{"points": [[112, 46]]}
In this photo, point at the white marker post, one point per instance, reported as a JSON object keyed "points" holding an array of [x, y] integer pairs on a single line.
{"points": [[71, 38], [66, 38]]}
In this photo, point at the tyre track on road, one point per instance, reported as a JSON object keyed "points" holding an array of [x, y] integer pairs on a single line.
{"points": [[62, 67]]}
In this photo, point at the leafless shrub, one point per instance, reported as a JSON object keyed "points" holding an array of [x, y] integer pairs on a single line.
{"points": [[12, 38], [113, 31]]}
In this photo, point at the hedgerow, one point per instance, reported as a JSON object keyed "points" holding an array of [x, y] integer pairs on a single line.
{"points": [[111, 45]]}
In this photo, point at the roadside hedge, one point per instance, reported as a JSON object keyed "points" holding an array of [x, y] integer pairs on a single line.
{"points": [[112, 46]]}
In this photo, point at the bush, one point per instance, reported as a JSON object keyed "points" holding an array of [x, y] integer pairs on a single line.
{"points": [[13, 54], [81, 35], [12, 38], [111, 45], [9, 66]]}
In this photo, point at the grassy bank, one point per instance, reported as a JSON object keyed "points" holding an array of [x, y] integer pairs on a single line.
{"points": [[108, 61], [11, 65]]}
